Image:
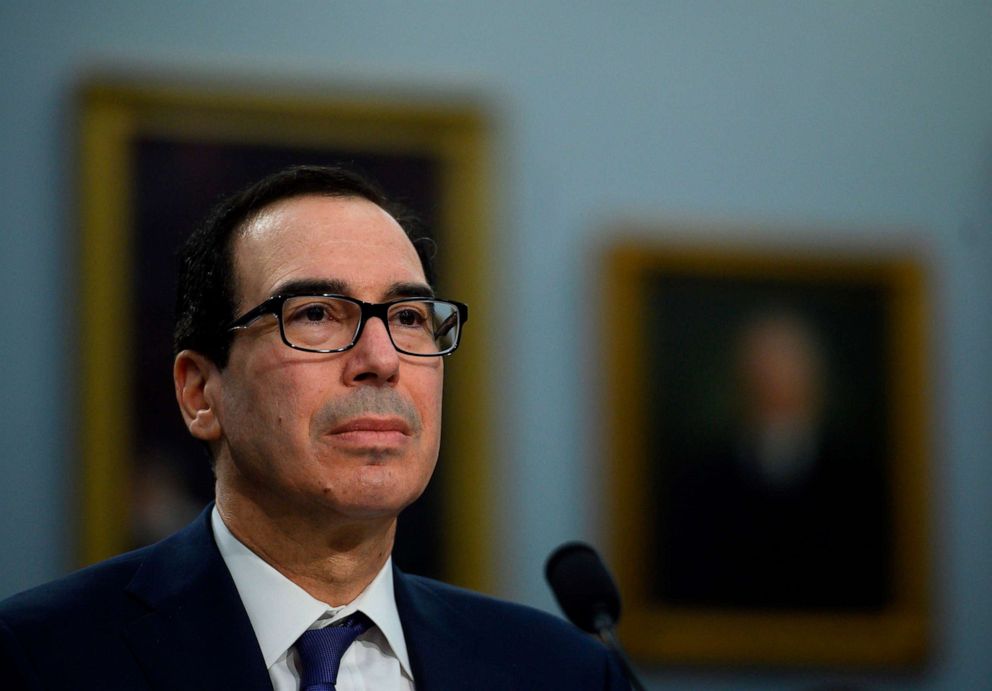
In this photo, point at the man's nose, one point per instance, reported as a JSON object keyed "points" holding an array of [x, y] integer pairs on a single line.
{"points": [[373, 359]]}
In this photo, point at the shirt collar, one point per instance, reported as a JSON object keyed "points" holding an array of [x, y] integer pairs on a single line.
{"points": [[280, 611]]}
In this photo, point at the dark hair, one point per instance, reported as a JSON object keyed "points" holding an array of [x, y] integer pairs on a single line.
{"points": [[206, 286]]}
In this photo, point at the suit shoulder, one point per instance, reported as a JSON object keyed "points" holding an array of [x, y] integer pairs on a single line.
{"points": [[508, 644], [495, 615], [89, 592], [462, 598]]}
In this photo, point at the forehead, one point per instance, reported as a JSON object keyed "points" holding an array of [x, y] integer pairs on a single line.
{"points": [[343, 239]]}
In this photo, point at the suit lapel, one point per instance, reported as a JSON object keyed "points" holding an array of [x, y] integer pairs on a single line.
{"points": [[444, 643], [196, 634]]}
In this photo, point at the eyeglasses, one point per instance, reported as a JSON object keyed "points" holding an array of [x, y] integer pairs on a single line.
{"points": [[333, 323]]}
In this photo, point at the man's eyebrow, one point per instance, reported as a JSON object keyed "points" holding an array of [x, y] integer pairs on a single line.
{"points": [[339, 287], [313, 286], [409, 290]]}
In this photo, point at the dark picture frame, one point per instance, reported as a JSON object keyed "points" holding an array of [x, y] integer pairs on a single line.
{"points": [[154, 156], [768, 431]]}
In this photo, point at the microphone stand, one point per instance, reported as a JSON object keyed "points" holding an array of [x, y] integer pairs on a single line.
{"points": [[607, 634]]}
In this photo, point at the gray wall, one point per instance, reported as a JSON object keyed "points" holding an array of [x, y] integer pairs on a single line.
{"points": [[850, 114]]}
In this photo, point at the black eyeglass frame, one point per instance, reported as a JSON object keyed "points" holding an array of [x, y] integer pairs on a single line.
{"points": [[273, 305]]}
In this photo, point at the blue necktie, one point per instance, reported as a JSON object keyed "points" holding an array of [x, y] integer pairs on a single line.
{"points": [[321, 651]]}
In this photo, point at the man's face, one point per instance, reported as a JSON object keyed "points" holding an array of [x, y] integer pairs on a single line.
{"points": [[780, 369], [356, 433]]}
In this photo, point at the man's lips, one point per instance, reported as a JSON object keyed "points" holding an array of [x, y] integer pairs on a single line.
{"points": [[373, 424], [372, 430]]}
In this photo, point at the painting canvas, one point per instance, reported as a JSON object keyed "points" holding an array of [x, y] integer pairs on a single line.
{"points": [[767, 416]]}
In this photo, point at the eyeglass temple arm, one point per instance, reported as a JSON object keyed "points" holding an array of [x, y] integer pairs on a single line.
{"points": [[447, 325]]}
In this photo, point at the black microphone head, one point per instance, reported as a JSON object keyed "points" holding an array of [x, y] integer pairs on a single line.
{"points": [[583, 587]]}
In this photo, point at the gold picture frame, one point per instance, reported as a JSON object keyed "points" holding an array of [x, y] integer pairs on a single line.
{"points": [[724, 560], [145, 144]]}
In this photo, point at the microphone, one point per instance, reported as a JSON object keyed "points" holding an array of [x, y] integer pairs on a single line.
{"points": [[587, 595]]}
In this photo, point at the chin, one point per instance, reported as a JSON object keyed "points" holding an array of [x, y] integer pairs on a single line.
{"points": [[375, 501], [370, 510]]}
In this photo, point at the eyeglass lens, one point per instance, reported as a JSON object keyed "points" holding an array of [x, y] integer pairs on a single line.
{"points": [[326, 323]]}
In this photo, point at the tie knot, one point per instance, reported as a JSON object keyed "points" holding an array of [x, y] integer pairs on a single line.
{"points": [[321, 650]]}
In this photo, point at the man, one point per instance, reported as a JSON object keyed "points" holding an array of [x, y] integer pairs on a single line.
{"points": [[309, 361]]}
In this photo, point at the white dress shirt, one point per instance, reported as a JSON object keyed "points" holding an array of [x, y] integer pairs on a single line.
{"points": [[280, 611]]}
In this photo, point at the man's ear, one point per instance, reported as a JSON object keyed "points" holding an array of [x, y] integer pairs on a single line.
{"points": [[197, 381]]}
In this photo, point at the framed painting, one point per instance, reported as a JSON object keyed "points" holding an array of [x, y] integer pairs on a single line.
{"points": [[153, 159], [768, 430]]}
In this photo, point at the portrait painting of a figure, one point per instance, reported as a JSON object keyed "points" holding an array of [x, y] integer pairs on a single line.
{"points": [[766, 416]]}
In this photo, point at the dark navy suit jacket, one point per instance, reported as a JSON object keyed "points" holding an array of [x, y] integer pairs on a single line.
{"points": [[168, 617]]}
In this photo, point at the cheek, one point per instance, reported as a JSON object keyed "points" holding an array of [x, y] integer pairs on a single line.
{"points": [[432, 423], [432, 388], [272, 401]]}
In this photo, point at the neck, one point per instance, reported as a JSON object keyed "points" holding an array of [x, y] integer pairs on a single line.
{"points": [[331, 558]]}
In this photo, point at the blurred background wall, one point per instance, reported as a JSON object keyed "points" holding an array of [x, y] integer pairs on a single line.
{"points": [[873, 118]]}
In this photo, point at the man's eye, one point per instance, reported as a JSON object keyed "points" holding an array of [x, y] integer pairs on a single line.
{"points": [[409, 317], [315, 313]]}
